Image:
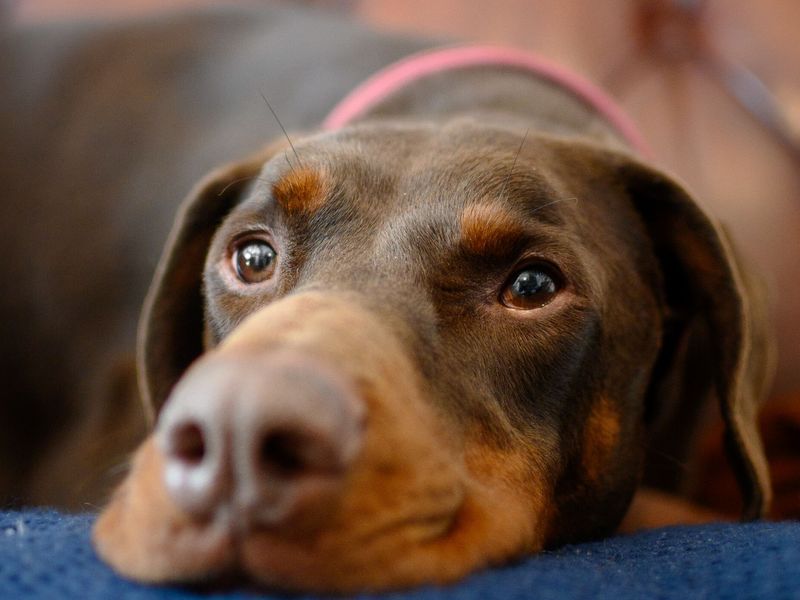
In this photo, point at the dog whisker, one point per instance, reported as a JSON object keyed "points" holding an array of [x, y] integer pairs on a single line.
{"points": [[513, 165], [674, 461], [119, 468], [239, 180], [283, 129], [546, 204]]}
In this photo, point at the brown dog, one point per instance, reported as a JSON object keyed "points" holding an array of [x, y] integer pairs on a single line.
{"points": [[441, 336], [426, 342]]}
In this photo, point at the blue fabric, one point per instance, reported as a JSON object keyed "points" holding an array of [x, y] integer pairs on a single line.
{"points": [[44, 554]]}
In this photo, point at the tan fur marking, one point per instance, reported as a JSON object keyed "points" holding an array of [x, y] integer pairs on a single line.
{"points": [[488, 229], [302, 190], [600, 438]]}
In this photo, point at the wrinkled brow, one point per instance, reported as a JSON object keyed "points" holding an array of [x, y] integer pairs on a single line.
{"points": [[301, 191], [490, 229]]}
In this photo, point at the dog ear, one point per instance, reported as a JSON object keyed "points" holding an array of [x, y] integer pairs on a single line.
{"points": [[171, 327], [712, 343]]}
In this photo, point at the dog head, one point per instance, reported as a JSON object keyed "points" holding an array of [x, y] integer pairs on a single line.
{"points": [[406, 352]]}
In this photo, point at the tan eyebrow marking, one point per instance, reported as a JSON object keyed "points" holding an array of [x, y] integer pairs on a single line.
{"points": [[600, 438], [489, 229], [301, 190]]}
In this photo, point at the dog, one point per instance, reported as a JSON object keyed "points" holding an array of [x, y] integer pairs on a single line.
{"points": [[451, 326]]}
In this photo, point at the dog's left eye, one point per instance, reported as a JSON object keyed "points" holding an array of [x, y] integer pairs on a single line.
{"points": [[253, 260], [531, 287]]}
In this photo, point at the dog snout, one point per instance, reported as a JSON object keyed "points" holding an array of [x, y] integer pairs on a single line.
{"points": [[259, 440]]}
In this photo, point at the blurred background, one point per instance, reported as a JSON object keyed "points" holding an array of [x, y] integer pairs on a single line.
{"points": [[714, 86]]}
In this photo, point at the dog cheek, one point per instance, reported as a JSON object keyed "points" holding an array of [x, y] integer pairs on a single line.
{"points": [[601, 469], [512, 490], [143, 536], [611, 462], [601, 436]]}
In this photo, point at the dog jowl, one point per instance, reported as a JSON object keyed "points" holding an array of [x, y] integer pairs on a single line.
{"points": [[408, 351]]}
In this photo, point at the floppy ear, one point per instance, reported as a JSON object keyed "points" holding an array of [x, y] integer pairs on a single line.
{"points": [[714, 342], [171, 327]]}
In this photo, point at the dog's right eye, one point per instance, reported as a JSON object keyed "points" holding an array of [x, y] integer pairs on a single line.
{"points": [[253, 260]]}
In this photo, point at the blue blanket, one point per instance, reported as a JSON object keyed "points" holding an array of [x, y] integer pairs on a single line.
{"points": [[45, 554]]}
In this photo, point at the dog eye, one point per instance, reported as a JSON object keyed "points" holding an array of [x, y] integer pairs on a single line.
{"points": [[253, 260], [531, 287]]}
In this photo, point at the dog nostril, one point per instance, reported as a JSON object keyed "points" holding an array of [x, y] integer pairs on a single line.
{"points": [[188, 444], [283, 453]]}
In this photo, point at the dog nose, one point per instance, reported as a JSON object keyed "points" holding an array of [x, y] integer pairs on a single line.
{"points": [[261, 439]]}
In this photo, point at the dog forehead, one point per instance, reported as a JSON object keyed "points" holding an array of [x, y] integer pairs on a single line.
{"points": [[399, 165], [447, 154]]}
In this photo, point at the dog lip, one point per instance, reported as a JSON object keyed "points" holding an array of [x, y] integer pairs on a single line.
{"points": [[441, 523], [438, 526], [431, 526]]}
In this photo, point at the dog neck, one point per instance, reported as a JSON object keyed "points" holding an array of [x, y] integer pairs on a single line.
{"points": [[499, 86]]}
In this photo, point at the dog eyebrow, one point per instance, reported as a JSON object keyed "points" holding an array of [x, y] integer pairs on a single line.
{"points": [[301, 190], [490, 229]]}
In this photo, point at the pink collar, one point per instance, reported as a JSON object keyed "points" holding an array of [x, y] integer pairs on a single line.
{"points": [[393, 77]]}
